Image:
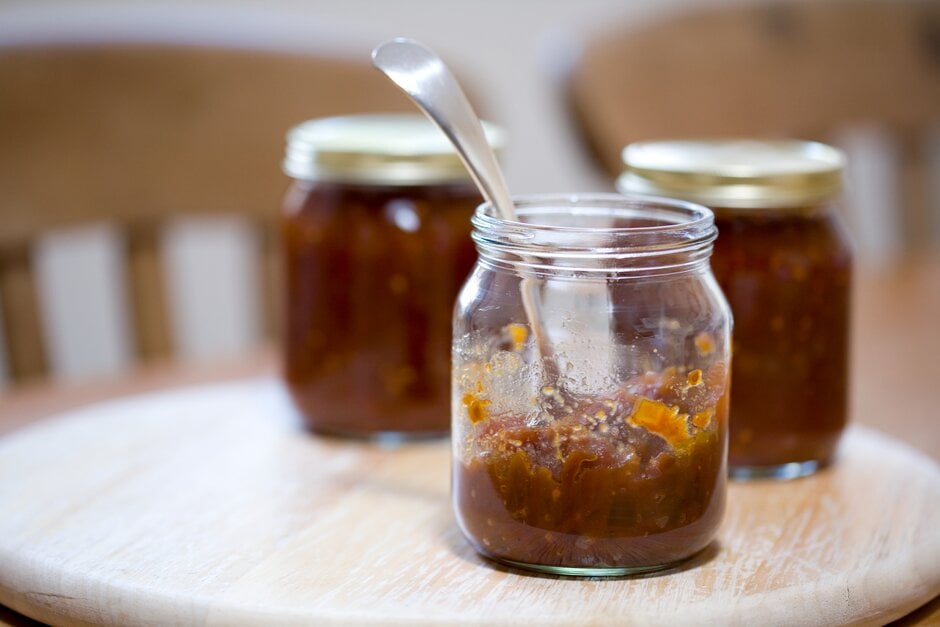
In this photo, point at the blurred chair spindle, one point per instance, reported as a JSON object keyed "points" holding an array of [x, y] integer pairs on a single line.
{"points": [[146, 139]]}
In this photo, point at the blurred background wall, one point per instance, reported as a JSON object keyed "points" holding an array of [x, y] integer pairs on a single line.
{"points": [[512, 54]]}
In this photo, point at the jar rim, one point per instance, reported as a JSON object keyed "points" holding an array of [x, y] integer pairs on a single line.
{"points": [[682, 238], [700, 215]]}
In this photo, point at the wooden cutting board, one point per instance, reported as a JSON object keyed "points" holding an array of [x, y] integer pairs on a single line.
{"points": [[210, 505]]}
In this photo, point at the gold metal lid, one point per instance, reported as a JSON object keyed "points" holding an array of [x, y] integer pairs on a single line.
{"points": [[388, 149], [740, 173]]}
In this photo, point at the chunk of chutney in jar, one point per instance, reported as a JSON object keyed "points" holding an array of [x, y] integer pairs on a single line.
{"points": [[376, 235]]}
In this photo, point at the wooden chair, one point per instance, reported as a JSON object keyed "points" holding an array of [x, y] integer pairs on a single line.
{"points": [[862, 74], [137, 137]]}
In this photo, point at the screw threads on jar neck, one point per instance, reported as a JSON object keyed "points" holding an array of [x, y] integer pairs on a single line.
{"points": [[596, 235]]}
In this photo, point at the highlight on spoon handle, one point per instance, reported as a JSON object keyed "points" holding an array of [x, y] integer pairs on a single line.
{"points": [[402, 60]]}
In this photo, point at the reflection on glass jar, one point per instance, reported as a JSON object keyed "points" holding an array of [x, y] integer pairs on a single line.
{"points": [[590, 386], [784, 264], [376, 233]]}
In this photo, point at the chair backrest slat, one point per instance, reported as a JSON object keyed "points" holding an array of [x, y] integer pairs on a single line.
{"points": [[272, 290], [4, 368], [148, 295], [25, 345]]}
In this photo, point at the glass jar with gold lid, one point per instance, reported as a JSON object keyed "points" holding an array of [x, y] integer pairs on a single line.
{"points": [[376, 234], [784, 263]]}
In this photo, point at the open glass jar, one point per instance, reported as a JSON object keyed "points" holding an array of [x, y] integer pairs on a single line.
{"points": [[590, 386], [784, 263], [376, 233]]}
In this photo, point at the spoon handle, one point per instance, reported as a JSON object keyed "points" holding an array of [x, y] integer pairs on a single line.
{"points": [[421, 74], [427, 80]]}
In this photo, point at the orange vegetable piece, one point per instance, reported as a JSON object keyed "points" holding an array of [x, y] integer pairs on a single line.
{"points": [[518, 334], [476, 407], [695, 378], [705, 343], [703, 418], [661, 419]]}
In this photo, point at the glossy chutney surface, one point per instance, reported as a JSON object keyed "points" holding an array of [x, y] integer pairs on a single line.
{"points": [[786, 274]]}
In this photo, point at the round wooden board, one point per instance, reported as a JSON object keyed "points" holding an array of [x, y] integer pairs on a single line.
{"points": [[211, 505]]}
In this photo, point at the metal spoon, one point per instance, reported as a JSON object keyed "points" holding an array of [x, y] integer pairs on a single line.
{"points": [[424, 76], [421, 74]]}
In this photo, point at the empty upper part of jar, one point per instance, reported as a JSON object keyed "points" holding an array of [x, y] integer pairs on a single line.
{"points": [[606, 235]]}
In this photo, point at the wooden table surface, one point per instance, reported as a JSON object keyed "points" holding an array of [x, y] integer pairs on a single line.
{"points": [[211, 505], [896, 339]]}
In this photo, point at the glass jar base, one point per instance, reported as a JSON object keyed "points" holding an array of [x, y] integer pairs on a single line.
{"points": [[591, 571], [779, 472]]}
